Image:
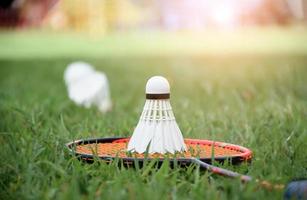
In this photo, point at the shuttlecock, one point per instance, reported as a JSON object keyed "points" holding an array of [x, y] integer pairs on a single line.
{"points": [[157, 130], [87, 87]]}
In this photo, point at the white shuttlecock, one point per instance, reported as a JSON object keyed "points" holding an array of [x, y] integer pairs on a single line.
{"points": [[157, 129], [87, 87]]}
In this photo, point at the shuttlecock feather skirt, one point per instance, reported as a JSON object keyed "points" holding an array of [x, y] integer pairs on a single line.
{"points": [[157, 130]]}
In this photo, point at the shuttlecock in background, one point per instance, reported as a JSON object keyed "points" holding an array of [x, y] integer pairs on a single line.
{"points": [[157, 129], [87, 87]]}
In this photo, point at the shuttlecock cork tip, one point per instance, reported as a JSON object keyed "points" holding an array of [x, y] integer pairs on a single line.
{"points": [[157, 87], [77, 70]]}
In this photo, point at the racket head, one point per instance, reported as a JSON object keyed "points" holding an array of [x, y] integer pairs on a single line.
{"points": [[109, 149]]}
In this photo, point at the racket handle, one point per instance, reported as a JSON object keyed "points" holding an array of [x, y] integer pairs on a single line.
{"points": [[244, 178], [221, 171]]}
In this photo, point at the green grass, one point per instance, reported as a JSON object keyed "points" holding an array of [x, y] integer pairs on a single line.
{"points": [[255, 101]]}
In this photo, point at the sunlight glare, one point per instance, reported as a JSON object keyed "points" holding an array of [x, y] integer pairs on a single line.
{"points": [[224, 15]]}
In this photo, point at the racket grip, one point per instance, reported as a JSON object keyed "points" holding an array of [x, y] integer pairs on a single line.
{"points": [[221, 171]]}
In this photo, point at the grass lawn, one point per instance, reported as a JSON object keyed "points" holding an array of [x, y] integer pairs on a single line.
{"points": [[254, 100]]}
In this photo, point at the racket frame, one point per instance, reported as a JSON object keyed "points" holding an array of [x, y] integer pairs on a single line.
{"points": [[245, 156]]}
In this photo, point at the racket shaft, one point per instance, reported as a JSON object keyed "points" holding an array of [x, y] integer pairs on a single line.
{"points": [[221, 171]]}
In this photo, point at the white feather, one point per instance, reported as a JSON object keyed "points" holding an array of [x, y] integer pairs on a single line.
{"points": [[157, 130]]}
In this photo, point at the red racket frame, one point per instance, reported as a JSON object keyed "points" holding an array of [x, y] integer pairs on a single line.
{"points": [[245, 154]]}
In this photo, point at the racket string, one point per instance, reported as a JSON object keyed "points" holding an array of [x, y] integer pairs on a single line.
{"points": [[118, 148]]}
